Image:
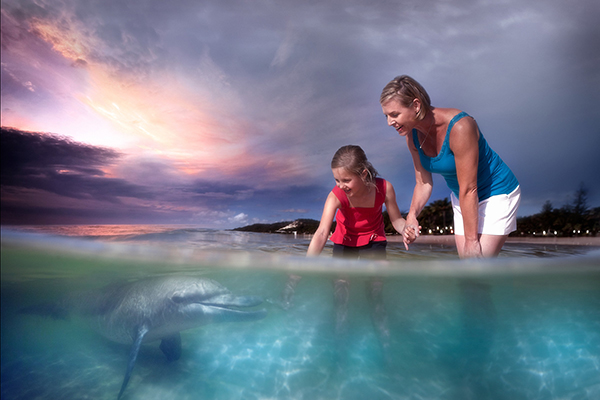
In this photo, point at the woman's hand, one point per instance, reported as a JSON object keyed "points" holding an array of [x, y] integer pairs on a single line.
{"points": [[472, 249], [410, 233]]}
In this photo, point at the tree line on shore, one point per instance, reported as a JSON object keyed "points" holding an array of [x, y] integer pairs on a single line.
{"points": [[572, 219]]}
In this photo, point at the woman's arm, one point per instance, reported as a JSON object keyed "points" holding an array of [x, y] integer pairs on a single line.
{"points": [[322, 234], [423, 187], [399, 223], [464, 143]]}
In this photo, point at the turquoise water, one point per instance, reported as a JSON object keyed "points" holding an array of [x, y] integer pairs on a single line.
{"points": [[524, 326]]}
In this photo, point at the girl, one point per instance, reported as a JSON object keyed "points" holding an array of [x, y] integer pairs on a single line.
{"points": [[357, 198], [356, 202]]}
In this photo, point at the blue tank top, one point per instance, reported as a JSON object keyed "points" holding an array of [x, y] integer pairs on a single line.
{"points": [[493, 175]]}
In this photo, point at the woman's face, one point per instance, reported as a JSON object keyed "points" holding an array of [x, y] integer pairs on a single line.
{"points": [[349, 182], [401, 118]]}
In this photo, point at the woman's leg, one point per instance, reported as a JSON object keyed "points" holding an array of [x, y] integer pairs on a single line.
{"points": [[477, 338], [491, 245]]}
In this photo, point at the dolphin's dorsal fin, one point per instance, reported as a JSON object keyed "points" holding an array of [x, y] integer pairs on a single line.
{"points": [[135, 349], [171, 346]]}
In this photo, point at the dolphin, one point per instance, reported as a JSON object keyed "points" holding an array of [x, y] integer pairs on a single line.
{"points": [[153, 309]]}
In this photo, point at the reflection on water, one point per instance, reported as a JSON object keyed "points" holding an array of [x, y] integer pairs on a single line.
{"points": [[521, 327]]}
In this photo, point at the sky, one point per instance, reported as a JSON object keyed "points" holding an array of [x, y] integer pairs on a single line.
{"points": [[222, 114]]}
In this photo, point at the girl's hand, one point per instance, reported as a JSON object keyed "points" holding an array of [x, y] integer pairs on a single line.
{"points": [[410, 234]]}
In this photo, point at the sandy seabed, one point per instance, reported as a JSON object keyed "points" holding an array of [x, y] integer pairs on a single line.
{"points": [[449, 240]]}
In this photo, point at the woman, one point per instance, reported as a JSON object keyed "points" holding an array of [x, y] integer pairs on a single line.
{"points": [[485, 192]]}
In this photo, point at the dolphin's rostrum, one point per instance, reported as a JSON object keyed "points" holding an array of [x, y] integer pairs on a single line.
{"points": [[152, 309]]}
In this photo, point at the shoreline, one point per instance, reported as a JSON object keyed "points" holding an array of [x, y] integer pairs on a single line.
{"points": [[449, 240]]}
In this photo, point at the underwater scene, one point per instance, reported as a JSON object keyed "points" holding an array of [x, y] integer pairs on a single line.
{"points": [[163, 312]]}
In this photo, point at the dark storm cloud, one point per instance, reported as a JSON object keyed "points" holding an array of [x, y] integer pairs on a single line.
{"points": [[28, 153], [49, 179], [59, 165], [52, 179]]}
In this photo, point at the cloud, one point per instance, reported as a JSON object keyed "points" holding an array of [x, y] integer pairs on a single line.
{"points": [[237, 107], [295, 211], [46, 175], [33, 153], [58, 165], [239, 219]]}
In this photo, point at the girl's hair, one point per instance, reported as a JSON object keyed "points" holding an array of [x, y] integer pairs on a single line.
{"points": [[353, 159], [405, 89]]}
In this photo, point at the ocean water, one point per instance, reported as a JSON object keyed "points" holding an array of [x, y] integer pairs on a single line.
{"points": [[523, 326]]}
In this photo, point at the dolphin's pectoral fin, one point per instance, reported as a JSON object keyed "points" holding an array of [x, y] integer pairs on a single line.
{"points": [[135, 348], [171, 346]]}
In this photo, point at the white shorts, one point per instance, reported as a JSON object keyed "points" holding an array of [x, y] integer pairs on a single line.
{"points": [[497, 215]]}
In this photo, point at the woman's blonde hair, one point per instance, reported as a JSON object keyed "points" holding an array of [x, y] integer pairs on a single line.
{"points": [[405, 89], [353, 159]]}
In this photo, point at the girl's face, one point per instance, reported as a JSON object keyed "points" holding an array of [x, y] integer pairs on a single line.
{"points": [[401, 118], [349, 182]]}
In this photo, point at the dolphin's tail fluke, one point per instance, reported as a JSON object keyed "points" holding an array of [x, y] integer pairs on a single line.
{"points": [[53, 310]]}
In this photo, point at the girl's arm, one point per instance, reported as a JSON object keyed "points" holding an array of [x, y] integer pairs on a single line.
{"points": [[423, 187], [322, 234], [396, 219], [464, 143]]}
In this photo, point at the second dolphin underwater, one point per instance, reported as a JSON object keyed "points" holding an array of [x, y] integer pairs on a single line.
{"points": [[152, 309]]}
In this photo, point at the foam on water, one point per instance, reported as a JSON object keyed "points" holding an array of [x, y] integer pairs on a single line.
{"points": [[519, 327]]}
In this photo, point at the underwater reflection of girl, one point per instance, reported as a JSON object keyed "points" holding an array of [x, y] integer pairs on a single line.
{"points": [[356, 202]]}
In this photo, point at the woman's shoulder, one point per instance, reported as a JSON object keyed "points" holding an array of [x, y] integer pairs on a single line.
{"points": [[447, 114], [464, 131], [455, 119]]}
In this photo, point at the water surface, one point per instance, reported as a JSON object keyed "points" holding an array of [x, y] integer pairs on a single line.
{"points": [[524, 326]]}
